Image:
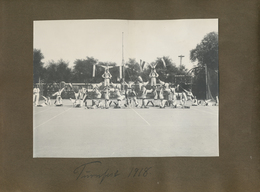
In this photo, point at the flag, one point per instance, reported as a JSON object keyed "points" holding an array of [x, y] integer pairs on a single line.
{"points": [[142, 63], [94, 70], [141, 68], [140, 79], [164, 64]]}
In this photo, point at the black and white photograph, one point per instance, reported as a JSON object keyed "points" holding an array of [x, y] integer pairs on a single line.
{"points": [[125, 88]]}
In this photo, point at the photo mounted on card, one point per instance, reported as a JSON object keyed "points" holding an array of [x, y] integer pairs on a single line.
{"points": [[125, 88]]}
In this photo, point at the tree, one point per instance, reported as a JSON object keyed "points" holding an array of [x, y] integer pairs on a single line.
{"points": [[38, 69], [132, 70], [57, 72], [166, 73], [206, 54], [198, 87], [83, 70]]}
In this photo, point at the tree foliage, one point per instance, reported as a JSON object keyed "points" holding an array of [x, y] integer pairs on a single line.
{"points": [[82, 70], [38, 69], [57, 72], [206, 53], [132, 70]]}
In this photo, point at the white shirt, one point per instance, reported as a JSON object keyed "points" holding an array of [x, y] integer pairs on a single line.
{"points": [[36, 91]]}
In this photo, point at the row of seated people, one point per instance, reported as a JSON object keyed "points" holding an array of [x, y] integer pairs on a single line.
{"points": [[161, 96]]}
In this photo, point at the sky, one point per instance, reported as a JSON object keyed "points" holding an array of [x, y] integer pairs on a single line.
{"points": [[105, 39]]}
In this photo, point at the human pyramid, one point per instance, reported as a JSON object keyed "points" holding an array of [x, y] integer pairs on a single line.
{"points": [[124, 95]]}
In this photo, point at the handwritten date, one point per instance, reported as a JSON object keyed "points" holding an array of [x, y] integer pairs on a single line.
{"points": [[87, 171]]}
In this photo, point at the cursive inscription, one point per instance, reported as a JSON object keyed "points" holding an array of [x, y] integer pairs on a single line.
{"points": [[84, 172]]}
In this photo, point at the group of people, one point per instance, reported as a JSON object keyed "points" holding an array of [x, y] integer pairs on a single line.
{"points": [[125, 95], [47, 99]]}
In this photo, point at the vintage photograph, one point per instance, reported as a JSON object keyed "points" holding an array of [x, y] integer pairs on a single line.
{"points": [[125, 88]]}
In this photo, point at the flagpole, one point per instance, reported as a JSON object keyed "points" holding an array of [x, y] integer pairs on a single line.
{"points": [[206, 79], [123, 63]]}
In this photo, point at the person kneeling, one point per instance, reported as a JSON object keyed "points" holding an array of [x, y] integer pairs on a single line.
{"points": [[119, 97], [47, 101], [58, 101], [143, 97], [132, 96], [76, 102]]}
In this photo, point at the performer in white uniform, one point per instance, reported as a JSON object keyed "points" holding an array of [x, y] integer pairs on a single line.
{"points": [[181, 95], [36, 95], [172, 96], [132, 96], [216, 104], [153, 75], [161, 97], [186, 96], [144, 92], [155, 97], [210, 102], [189, 94], [106, 93], [58, 101], [164, 87], [47, 101], [75, 102], [107, 76], [195, 101], [96, 101], [141, 83], [83, 96], [119, 97]]}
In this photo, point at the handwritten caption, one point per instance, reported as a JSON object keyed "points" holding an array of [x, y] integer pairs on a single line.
{"points": [[85, 171]]}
